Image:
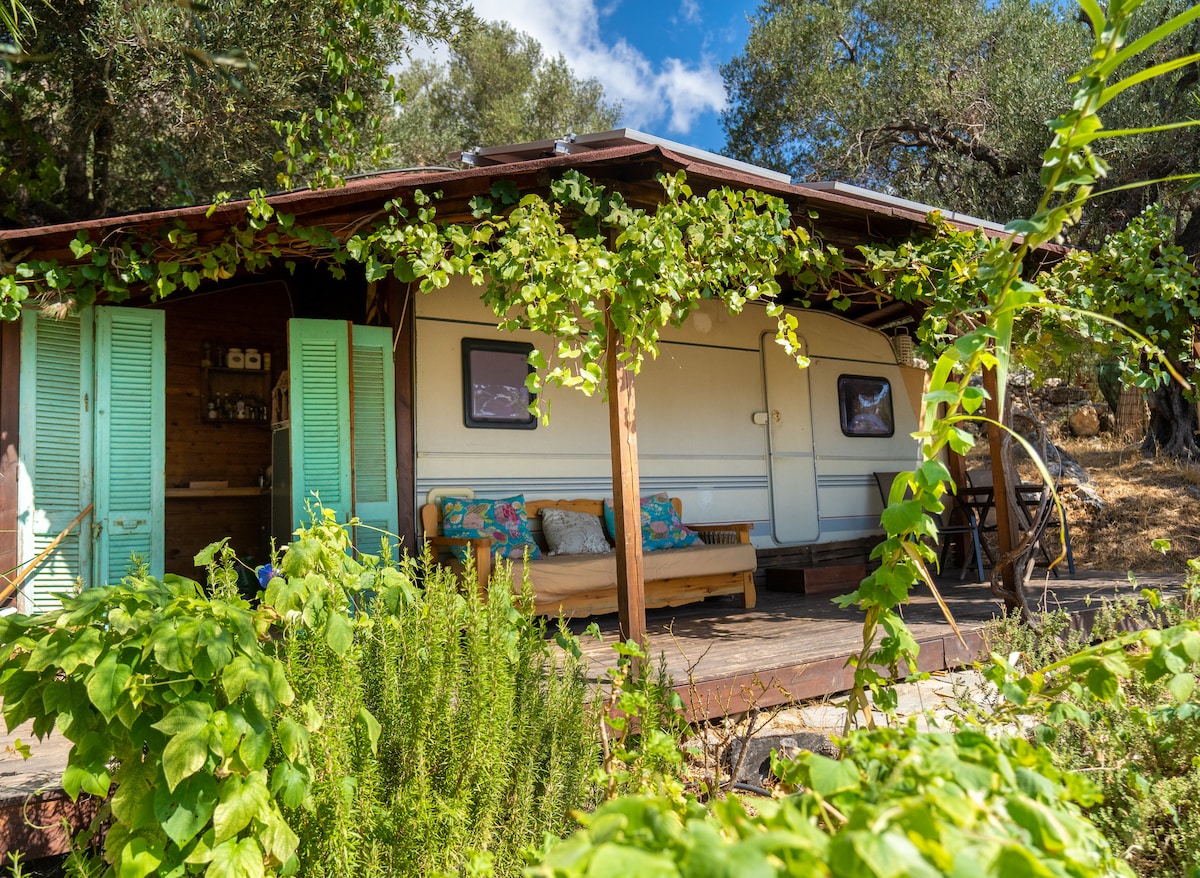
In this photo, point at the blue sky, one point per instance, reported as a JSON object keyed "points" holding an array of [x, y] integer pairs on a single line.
{"points": [[661, 60]]}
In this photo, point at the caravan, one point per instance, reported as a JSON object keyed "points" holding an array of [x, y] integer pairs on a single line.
{"points": [[726, 420]]}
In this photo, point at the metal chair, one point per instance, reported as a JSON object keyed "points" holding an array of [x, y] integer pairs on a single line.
{"points": [[945, 524]]}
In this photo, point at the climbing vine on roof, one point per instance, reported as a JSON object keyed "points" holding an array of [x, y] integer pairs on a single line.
{"points": [[561, 265]]}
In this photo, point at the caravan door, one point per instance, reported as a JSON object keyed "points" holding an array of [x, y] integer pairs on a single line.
{"points": [[793, 471]]}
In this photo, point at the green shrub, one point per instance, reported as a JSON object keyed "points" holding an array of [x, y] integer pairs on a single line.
{"points": [[898, 803], [1142, 750], [434, 733], [485, 739], [172, 705]]}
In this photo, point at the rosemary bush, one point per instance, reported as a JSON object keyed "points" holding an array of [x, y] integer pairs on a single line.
{"points": [[451, 736]]}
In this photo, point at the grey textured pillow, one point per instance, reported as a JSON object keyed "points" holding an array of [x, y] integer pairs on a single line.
{"points": [[573, 533]]}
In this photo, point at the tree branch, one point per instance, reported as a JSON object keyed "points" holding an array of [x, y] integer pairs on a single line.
{"points": [[911, 134]]}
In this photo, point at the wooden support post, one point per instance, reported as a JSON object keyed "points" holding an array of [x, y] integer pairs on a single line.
{"points": [[1005, 526], [627, 511]]}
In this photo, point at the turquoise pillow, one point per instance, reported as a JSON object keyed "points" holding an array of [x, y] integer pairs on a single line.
{"points": [[504, 521], [661, 527]]}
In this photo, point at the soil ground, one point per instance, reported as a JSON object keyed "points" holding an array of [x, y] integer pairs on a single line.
{"points": [[1145, 499]]}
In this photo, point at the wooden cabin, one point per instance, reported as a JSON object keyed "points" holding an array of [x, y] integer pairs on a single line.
{"points": [[217, 413]]}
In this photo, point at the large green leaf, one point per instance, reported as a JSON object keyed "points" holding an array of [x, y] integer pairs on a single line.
{"points": [[622, 861], [66, 650], [139, 858], [828, 777], [184, 755], [188, 718], [339, 632], [236, 858], [107, 682], [278, 839], [241, 800], [184, 813], [93, 781]]}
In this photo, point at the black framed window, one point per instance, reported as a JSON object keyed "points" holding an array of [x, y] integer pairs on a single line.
{"points": [[494, 391], [865, 404]]}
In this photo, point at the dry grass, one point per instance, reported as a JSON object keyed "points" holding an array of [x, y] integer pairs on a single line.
{"points": [[1145, 499]]}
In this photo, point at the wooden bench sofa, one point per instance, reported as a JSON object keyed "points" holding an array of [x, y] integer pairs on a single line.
{"points": [[584, 585]]}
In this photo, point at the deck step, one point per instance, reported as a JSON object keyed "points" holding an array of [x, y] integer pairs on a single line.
{"points": [[841, 578]]}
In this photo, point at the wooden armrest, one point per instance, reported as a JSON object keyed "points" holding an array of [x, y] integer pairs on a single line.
{"points": [[479, 548], [738, 530], [446, 542]]}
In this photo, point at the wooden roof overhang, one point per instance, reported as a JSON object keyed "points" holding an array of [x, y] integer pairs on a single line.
{"points": [[842, 220]]}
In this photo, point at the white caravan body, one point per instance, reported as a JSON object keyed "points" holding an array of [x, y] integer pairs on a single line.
{"points": [[725, 420]]}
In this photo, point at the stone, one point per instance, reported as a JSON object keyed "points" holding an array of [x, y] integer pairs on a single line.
{"points": [[1066, 394], [1084, 421], [756, 765]]}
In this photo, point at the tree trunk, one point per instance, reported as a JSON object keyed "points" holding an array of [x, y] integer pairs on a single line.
{"points": [[1173, 424]]}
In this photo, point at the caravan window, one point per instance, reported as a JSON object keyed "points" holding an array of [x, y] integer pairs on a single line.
{"points": [[866, 406], [494, 391]]}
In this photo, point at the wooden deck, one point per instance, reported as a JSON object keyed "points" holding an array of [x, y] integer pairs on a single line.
{"points": [[792, 647]]}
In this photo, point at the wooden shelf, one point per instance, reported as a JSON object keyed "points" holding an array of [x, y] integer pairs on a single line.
{"points": [[252, 422], [226, 369], [216, 492], [251, 385]]}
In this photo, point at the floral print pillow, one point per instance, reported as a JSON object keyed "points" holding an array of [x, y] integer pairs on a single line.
{"points": [[661, 527], [503, 521]]}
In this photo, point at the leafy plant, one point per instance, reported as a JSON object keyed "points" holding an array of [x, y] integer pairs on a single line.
{"points": [[309, 736], [1141, 277], [1142, 749], [643, 725], [171, 704], [899, 802]]}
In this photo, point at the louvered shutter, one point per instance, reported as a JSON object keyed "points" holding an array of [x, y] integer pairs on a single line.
{"points": [[374, 442], [319, 363], [130, 440], [54, 481]]}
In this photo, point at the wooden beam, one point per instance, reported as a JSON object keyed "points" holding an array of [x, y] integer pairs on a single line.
{"points": [[1005, 526], [10, 413], [627, 511]]}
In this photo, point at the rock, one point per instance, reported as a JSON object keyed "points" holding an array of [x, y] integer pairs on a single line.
{"points": [[1066, 394], [756, 766], [1084, 421]]}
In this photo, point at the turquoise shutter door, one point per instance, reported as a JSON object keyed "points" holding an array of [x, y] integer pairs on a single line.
{"points": [[130, 440], [55, 476], [374, 442], [319, 362]]}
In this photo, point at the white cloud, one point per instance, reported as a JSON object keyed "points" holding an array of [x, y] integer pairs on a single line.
{"points": [[692, 91], [689, 11], [672, 93]]}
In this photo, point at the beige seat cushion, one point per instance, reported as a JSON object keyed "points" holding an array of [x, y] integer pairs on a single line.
{"points": [[565, 575]]}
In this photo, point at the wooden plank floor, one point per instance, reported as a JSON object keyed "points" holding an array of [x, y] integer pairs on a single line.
{"points": [[792, 647]]}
